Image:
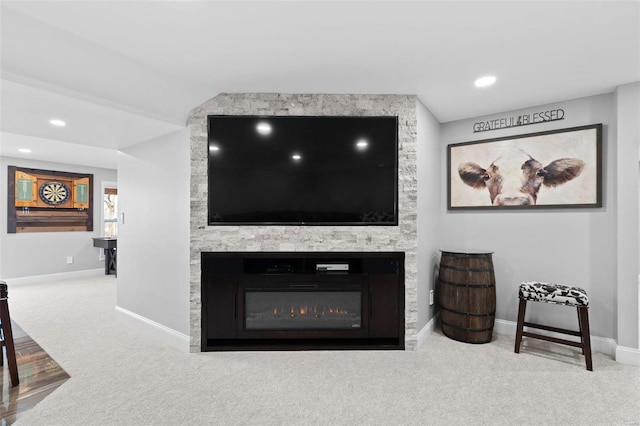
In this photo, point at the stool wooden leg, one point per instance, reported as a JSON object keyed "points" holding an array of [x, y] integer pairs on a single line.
{"points": [[8, 342], [583, 316], [580, 326], [519, 328], [1, 346]]}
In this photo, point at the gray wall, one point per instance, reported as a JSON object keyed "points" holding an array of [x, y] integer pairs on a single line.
{"points": [[153, 241], [43, 253], [570, 246], [429, 189], [302, 238], [628, 125]]}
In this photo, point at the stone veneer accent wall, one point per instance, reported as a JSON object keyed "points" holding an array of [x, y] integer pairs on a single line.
{"points": [[307, 238]]}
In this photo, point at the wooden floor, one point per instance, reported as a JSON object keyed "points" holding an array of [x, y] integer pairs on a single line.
{"points": [[39, 376]]}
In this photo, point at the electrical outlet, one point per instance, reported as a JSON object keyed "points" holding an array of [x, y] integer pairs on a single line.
{"points": [[430, 297], [69, 260]]}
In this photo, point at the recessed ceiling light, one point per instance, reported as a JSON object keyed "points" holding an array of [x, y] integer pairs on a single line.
{"points": [[57, 122], [296, 157], [24, 150], [485, 81], [213, 148], [263, 128], [362, 144]]}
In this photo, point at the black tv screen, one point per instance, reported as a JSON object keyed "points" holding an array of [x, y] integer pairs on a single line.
{"points": [[294, 170]]}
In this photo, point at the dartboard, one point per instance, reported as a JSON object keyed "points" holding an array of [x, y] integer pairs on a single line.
{"points": [[54, 193]]}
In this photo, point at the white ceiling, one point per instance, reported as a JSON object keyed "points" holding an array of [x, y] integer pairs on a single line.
{"points": [[124, 72]]}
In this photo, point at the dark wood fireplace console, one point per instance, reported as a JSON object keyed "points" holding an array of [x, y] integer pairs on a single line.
{"points": [[302, 300]]}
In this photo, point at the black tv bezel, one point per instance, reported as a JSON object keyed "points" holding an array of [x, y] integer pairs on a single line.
{"points": [[396, 213]]}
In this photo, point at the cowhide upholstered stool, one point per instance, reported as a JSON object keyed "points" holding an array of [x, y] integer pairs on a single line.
{"points": [[532, 291], [6, 336]]}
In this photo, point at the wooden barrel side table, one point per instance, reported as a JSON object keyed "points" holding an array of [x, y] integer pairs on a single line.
{"points": [[467, 296]]}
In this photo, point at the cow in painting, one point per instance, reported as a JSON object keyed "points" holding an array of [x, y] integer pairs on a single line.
{"points": [[516, 179]]}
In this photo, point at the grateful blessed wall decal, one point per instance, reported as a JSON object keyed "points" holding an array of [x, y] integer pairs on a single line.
{"points": [[520, 120]]}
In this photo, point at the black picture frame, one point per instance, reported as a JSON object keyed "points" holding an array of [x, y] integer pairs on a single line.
{"points": [[547, 170]]}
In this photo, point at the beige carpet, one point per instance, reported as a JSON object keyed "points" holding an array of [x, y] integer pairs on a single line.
{"points": [[120, 376]]}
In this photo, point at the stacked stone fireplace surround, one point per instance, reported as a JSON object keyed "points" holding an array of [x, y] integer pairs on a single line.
{"points": [[307, 238]]}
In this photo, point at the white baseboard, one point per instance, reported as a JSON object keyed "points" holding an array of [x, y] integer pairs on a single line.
{"points": [[36, 279], [156, 330], [628, 355], [426, 331], [598, 344]]}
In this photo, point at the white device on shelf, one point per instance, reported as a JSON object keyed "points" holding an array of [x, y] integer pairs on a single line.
{"points": [[332, 267]]}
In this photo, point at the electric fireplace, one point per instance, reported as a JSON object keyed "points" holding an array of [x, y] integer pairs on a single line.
{"points": [[259, 301], [303, 307]]}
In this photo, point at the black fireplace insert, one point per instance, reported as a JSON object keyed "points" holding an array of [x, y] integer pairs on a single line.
{"points": [[260, 301], [303, 306]]}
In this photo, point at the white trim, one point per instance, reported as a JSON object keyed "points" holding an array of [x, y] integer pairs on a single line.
{"points": [[504, 327], [156, 330], [626, 355], [426, 331], [598, 344], [37, 279]]}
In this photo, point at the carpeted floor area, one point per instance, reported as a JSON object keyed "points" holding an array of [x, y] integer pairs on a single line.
{"points": [[120, 376]]}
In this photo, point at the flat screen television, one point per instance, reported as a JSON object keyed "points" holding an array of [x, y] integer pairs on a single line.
{"points": [[302, 170]]}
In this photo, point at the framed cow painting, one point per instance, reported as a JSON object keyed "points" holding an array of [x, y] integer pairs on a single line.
{"points": [[552, 169]]}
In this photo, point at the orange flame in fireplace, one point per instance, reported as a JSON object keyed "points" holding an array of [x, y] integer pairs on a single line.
{"points": [[304, 310]]}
